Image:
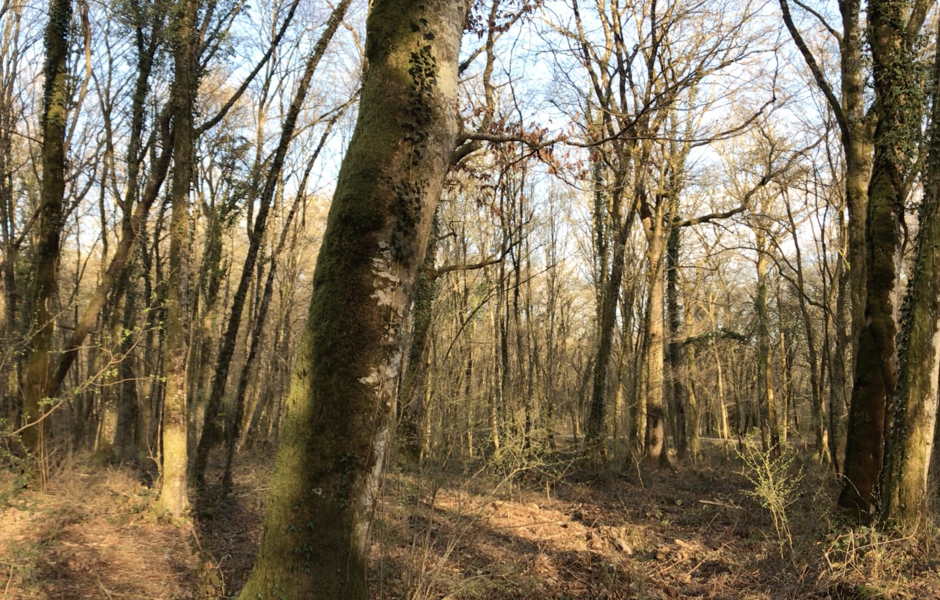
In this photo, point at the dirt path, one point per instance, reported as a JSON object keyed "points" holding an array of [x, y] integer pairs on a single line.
{"points": [[90, 536]]}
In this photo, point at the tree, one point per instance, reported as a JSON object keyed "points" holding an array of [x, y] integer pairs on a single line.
{"points": [[316, 531], [173, 491], [904, 481], [51, 217], [893, 28]]}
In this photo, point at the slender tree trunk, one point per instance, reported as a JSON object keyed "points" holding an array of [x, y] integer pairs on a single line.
{"points": [[656, 411], [691, 377], [210, 431], [818, 407], [724, 431], [838, 402], [234, 433], [10, 397], [770, 432], [858, 146], [333, 441]]}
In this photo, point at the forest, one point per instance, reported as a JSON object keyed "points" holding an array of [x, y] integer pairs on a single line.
{"points": [[469, 299]]}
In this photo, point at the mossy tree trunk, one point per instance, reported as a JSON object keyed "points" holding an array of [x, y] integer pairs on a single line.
{"points": [[857, 145], [904, 481], [333, 441], [51, 216], [173, 493], [595, 438], [893, 26], [412, 390]]}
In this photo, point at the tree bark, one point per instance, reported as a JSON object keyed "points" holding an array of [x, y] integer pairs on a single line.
{"points": [[51, 217], [898, 97], [333, 441], [904, 481], [173, 492]]}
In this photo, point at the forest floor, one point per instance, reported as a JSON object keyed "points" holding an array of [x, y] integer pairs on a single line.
{"points": [[533, 529]]}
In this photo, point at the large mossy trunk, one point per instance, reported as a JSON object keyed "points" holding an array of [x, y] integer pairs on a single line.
{"points": [[333, 441], [892, 28], [904, 481]]}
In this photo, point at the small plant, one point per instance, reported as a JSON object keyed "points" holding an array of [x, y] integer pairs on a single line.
{"points": [[774, 483]]}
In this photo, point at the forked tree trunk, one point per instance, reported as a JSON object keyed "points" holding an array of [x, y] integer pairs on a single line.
{"points": [[333, 441]]}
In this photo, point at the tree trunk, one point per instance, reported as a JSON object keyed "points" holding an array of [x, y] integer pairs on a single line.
{"points": [[173, 493], [904, 481], [770, 431], [655, 322], [678, 392], [898, 94], [51, 216], [858, 158], [333, 441]]}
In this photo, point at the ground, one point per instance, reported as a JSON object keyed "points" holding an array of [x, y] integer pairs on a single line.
{"points": [[535, 528]]}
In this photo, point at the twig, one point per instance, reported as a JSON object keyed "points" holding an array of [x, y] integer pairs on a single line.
{"points": [[9, 581]]}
